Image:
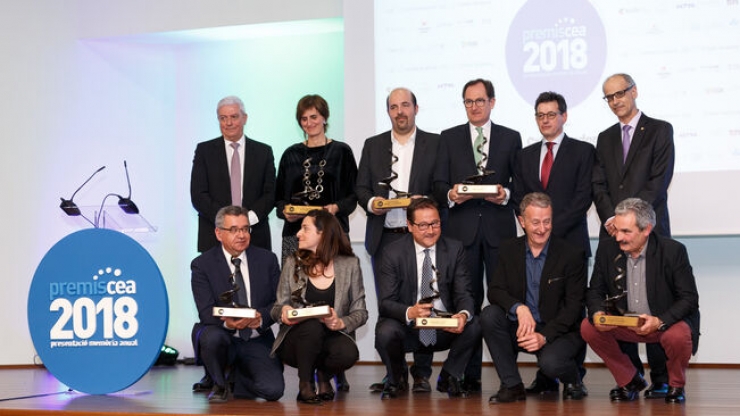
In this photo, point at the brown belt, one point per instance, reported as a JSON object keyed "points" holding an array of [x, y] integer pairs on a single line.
{"points": [[398, 230]]}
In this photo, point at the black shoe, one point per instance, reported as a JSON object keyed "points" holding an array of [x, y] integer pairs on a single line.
{"points": [[447, 383], [218, 394], [631, 391], [471, 385], [340, 380], [574, 391], [509, 394], [306, 393], [205, 384], [543, 385], [656, 391], [614, 392], [675, 395], [378, 387], [421, 385], [390, 391]]}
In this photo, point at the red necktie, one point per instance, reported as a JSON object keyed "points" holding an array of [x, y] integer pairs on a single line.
{"points": [[547, 165]]}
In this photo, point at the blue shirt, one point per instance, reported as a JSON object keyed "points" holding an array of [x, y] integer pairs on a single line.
{"points": [[534, 275]]}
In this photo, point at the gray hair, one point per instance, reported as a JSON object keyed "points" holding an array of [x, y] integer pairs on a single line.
{"points": [[626, 77], [231, 100], [644, 212], [538, 199], [233, 210]]}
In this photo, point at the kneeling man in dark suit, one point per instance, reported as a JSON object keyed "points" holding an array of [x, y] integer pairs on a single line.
{"points": [[537, 297], [241, 344], [421, 275]]}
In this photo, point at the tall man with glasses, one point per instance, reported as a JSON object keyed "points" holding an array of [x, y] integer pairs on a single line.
{"points": [[241, 344], [405, 156], [424, 274], [233, 170], [648, 275], [561, 167], [635, 160], [479, 223]]}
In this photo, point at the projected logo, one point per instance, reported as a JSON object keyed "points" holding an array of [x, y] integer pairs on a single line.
{"points": [[98, 311], [556, 46]]}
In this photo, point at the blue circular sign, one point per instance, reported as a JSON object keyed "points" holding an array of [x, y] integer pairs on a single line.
{"points": [[556, 46], [98, 311]]}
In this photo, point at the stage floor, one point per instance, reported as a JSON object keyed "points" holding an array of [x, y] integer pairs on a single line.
{"points": [[167, 390]]}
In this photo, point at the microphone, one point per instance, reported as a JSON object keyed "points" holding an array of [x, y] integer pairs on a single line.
{"points": [[126, 204], [68, 206]]}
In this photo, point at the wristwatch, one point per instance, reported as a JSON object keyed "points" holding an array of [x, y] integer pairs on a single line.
{"points": [[662, 327]]}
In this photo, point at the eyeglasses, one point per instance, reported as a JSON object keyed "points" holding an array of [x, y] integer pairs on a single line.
{"points": [[617, 95], [480, 102], [551, 115], [425, 225], [237, 230]]}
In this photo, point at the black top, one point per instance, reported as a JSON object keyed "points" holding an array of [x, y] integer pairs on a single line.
{"points": [[340, 175], [316, 296]]}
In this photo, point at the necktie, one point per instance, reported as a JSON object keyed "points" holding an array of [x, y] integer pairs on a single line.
{"points": [[478, 145], [625, 141], [242, 295], [427, 336], [547, 165], [236, 177]]}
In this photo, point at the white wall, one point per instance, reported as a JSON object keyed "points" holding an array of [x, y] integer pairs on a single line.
{"points": [[52, 105]]}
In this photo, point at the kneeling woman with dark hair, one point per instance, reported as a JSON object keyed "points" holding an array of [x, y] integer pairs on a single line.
{"points": [[324, 270]]}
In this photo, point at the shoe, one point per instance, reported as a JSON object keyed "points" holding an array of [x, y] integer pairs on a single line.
{"points": [[574, 391], [421, 385], [631, 391], [325, 390], [390, 391], [614, 392], [447, 383], [675, 395], [306, 394], [218, 394], [471, 385], [340, 380], [509, 394], [656, 391], [205, 384], [543, 385], [378, 387]]}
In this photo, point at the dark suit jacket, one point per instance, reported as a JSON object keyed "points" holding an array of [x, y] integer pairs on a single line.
{"points": [[671, 287], [210, 278], [456, 162], [375, 165], [398, 278], [562, 285], [569, 187], [646, 174], [210, 188]]}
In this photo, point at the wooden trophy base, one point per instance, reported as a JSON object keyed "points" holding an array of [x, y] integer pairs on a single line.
{"points": [[427, 323], [235, 312], [310, 312], [478, 191], [617, 320], [392, 203], [299, 209]]}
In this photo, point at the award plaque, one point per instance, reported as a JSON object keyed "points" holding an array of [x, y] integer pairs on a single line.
{"points": [[299, 209], [234, 312], [620, 320], [436, 322], [309, 312], [477, 191], [391, 203]]}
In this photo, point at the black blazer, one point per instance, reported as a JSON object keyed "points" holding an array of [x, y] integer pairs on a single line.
{"points": [[671, 286], [646, 174], [562, 286], [569, 187], [456, 162], [210, 277], [398, 282], [210, 188], [375, 165]]}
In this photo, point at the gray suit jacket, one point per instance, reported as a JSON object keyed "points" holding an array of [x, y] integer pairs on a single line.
{"points": [[349, 295]]}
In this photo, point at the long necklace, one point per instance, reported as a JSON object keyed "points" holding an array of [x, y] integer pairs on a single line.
{"points": [[311, 191]]}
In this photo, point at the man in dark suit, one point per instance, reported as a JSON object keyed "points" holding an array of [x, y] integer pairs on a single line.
{"points": [[423, 274], [407, 155], [220, 178], [479, 223], [241, 344], [648, 275], [536, 306], [635, 160], [561, 167]]}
